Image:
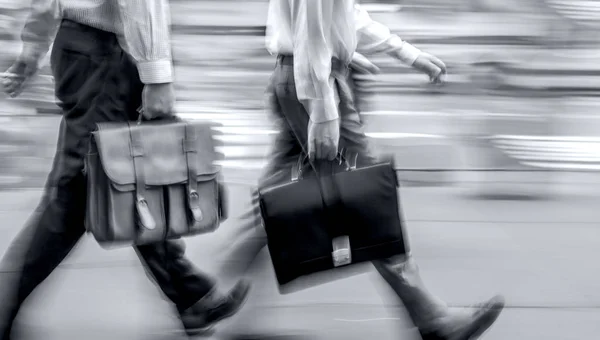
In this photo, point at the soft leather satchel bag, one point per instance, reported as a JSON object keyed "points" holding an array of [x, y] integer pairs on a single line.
{"points": [[318, 223], [152, 181]]}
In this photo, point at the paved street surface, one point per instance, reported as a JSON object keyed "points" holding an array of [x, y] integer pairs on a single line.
{"points": [[540, 253]]}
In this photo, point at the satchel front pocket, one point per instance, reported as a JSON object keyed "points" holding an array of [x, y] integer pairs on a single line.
{"points": [[180, 219], [124, 222], [154, 181]]}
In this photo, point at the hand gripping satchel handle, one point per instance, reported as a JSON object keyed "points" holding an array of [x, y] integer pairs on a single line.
{"points": [[298, 170], [341, 252]]}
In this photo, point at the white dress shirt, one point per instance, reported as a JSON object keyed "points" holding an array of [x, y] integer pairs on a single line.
{"points": [[314, 32], [143, 27]]}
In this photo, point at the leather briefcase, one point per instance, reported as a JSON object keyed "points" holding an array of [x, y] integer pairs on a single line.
{"points": [[318, 223], [152, 181]]}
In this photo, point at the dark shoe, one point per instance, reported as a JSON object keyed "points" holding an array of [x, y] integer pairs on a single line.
{"points": [[470, 326], [214, 307]]}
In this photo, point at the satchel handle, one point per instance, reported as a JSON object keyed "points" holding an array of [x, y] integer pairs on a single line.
{"points": [[297, 170], [140, 117]]}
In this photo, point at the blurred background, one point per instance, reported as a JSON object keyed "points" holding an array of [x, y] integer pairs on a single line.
{"points": [[501, 164], [521, 92]]}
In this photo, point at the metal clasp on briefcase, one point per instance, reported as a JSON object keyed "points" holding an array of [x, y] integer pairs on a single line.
{"points": [[342, 254]]}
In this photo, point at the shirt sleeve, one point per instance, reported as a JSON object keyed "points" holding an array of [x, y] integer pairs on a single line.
{"points": [[39, 31], [312, 58], [374, 37], [146, 25]]}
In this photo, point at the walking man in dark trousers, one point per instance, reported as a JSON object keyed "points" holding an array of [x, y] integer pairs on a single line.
{"points": [[315, 42], [109, 58]]}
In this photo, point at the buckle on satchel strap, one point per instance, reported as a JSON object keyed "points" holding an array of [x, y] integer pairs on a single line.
{"points": [[144, 214], [342, 254], [194, 204]]}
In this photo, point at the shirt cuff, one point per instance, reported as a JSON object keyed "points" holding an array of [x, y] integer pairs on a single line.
{"points": [[406, 52], [156, 72]]}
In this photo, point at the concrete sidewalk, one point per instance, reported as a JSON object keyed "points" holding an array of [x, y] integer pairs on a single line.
{"points": [[539, 253]]}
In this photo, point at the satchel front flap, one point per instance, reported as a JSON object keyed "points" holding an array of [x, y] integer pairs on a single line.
{"points": [[163, 158]]}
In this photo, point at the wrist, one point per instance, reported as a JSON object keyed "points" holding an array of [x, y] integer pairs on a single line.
{"points": [[404, 51], [323, 110], [30, 56]]}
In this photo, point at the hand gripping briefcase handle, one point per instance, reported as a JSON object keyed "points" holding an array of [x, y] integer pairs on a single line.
{"points": [[340, 241], [137, 152], [349, 162]]}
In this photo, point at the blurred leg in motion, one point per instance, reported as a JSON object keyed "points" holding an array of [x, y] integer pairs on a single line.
{"points": [[430, 315], [96, 81], [249, 238]]}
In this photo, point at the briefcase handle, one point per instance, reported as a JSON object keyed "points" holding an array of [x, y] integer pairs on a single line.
{"points": [[341, 158], [140, 117]]}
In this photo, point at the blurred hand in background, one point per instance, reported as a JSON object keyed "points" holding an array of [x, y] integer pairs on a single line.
{"points": [[16, 77], [432, 66], [363, 65]]}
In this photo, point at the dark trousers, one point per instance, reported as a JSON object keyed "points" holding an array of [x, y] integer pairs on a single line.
{"points": [[96, 81]]}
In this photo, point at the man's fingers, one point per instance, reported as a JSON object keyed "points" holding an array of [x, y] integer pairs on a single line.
{"points": [[326, 152], [335, 149], [12, 89], [156, 113], [150, 113], [15, 92], [8, 75], [331, 149], [363, 65], [436, 74], [373, 69], [7, 81], [366, 68], [13, 86], [440, 64], [321, 151], [311, 150], [332, 153]]}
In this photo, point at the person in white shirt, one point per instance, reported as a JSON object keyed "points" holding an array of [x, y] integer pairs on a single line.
{"points": [[315, 42], [109, 58]]}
